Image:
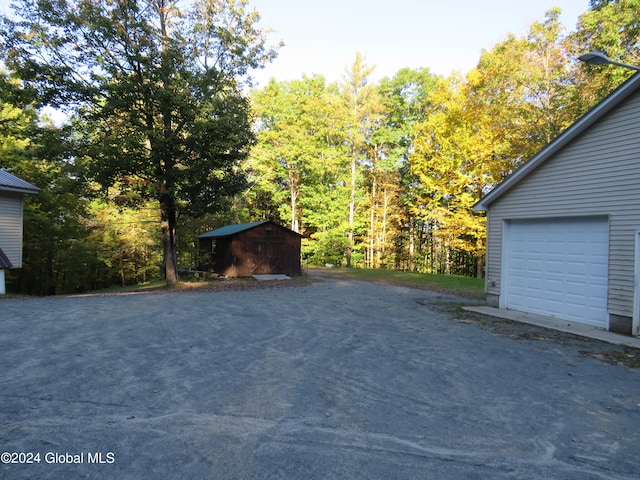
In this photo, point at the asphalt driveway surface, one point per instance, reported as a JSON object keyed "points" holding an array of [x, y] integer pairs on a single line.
{"points": [[333, 380]]}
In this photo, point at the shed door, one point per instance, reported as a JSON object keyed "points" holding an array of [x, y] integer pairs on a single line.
{"points": [[558, 268], [271, 255]]}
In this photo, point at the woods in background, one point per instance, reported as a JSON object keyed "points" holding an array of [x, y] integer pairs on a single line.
{"points": [[376, 174]]}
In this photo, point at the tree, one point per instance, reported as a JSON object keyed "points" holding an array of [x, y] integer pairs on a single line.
{"points": [[299, 161], [124, 241], [611, 27], [296, 124], [481, 128], [158, 90], [446, 159], [54, 259], [18, 118], [363, 112], [405, 97]]}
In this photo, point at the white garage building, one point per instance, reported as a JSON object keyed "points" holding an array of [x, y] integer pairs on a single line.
{"points": [[563, 231]]}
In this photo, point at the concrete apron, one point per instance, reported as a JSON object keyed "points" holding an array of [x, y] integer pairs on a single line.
{"points": [[561, 325]]}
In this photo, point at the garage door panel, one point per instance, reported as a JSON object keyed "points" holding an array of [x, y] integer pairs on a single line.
{"points": [[534, 266], [592, 295], [552, 275], [601, 263], [559, 268], [575, 290], [575, 257], [554, 286], [551, 307], [519, 264], [577, 270]]}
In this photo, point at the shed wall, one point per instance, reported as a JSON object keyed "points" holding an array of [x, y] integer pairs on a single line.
{"points": [[265, 249], [596, 174], [11, 227]]}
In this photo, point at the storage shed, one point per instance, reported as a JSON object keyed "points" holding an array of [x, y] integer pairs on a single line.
{"points": [[12, 190], [563, 231], [256, 248]]}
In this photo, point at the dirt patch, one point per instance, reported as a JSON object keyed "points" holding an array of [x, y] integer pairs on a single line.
{"points": [[214, 285], [243, 284], [603, 351], [627, 356]]}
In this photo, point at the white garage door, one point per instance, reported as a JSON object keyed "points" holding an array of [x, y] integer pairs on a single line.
{"points": [[558, 268]]}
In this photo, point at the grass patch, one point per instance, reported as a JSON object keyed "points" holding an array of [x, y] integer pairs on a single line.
{"points": [[451, 284], [454, 284]]}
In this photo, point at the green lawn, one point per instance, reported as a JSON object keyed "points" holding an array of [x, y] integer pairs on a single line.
{"points": [[454, 284], [463, 286]]}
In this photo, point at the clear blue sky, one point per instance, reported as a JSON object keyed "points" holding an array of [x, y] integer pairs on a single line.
{"points": [[442, 35]]}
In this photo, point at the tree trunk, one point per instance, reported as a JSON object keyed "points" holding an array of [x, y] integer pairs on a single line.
{"points": [[352, 207], [383, 241], [167, 202], [412, 245], [479, 260], [168, 223], [295, 224], [372, 223], [479, 266]]}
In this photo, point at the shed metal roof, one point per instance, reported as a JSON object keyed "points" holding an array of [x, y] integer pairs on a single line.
{"points": [[12, 183], [229, 230]]}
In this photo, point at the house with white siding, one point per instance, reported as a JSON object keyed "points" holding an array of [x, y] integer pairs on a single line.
{"points": [[12, 191], [563, 231]]}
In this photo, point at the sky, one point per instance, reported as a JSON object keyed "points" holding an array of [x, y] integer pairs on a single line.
{"points": [[442, 35]]}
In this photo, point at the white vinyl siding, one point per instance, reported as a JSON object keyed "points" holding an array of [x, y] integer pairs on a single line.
{"points": [[11, 227], [597, 174]]}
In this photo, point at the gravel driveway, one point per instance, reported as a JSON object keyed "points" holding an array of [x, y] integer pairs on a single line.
{"points": [[336, 379]]}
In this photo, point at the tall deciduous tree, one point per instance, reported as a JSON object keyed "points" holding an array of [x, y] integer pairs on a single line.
{"points": [[299, 131], [363, 110], [483, 127], [611, 27], [405, 97], [299, 163], [158, 88]]}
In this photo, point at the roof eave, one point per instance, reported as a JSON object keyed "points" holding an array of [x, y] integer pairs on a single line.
{"points": [[570, 134], [208, 235], [33, 191]]}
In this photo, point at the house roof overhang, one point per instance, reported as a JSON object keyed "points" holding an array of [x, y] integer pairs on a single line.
{"points": [[4, 261], [11, 183], [615, 98]]}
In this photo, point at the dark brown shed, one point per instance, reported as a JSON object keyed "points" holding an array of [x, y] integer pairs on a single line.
{"points": [[247, 249]]}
